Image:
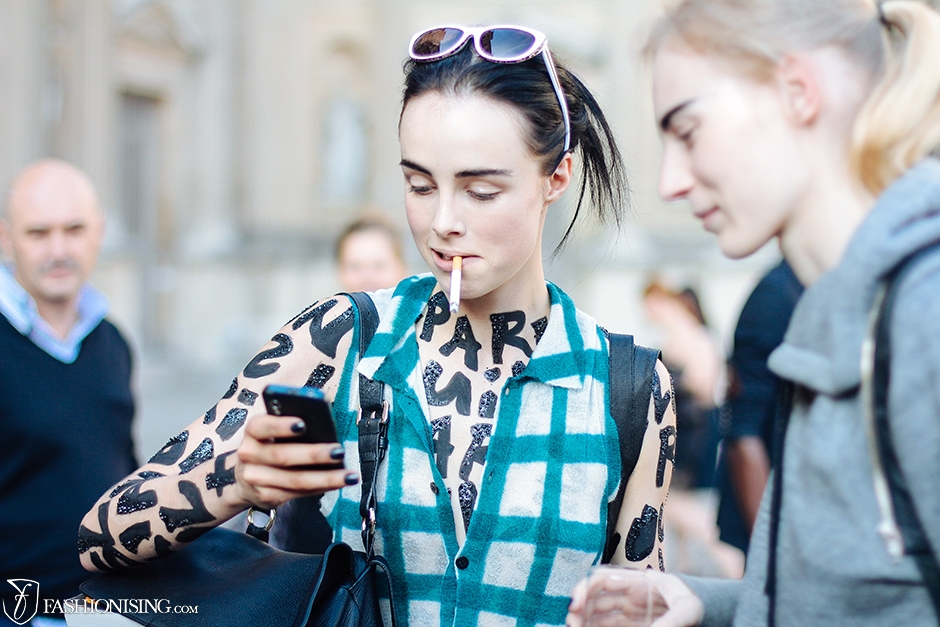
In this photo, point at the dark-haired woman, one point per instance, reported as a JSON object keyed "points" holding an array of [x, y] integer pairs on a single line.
{"points": [[503, 454]]}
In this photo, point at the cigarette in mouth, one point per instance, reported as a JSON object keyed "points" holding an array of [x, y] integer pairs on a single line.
{"points": [[455, 284]]}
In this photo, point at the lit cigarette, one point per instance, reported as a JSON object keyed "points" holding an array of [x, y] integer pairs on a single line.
{"points": [[455, 284]]}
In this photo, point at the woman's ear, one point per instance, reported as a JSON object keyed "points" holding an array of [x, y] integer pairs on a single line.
{"points": [[797, 78], [560, 179]]}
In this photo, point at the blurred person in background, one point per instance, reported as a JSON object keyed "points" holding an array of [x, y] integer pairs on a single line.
{"points": [[369, 255], [65, 398], [812, 122], [753, 392], [694, 358], [697, 366]]}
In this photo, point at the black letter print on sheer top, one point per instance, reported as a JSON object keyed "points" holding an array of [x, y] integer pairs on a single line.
{"points": [[255, 369], [232, 422], [467, 495], [458, 388], [221, 477], [176, 518], [660, 401], [667, 452], [88, 539], [209, 418], [438, 313], [135, 534], [247, 397], [476, 454], [142, 476], [201, 454], [488, 404], [133, 500], [464, 339], [326, 338], [231, 389], [642, 535], [161, 547], [503, 334], [539, 327], [171, 451], [440, 429], [320, 375]]}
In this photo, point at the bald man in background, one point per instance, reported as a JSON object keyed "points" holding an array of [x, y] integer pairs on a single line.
{"points": [[65, 398]]}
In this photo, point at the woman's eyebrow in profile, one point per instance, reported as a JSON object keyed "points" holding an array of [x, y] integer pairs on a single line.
{"points": [[667, 119]]}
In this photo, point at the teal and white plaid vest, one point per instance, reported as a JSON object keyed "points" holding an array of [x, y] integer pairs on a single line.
{"points": [[552, 465]]}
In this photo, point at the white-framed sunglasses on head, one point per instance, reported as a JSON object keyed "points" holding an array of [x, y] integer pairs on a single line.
{"points": [[498, 44]]}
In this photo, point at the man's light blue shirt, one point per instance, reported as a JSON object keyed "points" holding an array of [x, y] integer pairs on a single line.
{"points": [[20, 309]]}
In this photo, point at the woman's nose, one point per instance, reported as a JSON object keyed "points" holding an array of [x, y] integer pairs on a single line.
{"points": [[675, 176], [448, 221]]}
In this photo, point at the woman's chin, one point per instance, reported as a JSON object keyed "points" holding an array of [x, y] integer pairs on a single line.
{"points": [[734, 248]]}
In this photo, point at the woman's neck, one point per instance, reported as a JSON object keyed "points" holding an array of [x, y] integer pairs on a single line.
{"points": [[526, 293], [815, 238]]}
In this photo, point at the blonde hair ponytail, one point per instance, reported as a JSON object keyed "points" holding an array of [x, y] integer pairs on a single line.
{"points": [[899, 124], [897, 43]]}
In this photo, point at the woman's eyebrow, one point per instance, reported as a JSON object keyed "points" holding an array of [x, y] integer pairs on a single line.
{"points": [[484, 172], [667, 119], [414, 166]]}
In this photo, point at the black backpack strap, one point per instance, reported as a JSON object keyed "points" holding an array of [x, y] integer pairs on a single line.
{"points": [[372, 421], [370, 392], [916, 541], [630, 385]]}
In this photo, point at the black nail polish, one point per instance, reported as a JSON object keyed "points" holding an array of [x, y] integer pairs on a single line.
{"points": [[338, 453], [298, 427], [352, 479]]}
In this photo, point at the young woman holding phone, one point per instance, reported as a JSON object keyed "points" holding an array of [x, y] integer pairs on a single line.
{"points": [[811, 121], [503, 454]]}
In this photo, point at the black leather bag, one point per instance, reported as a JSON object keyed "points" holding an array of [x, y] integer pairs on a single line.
{"points": [[233, 578]]}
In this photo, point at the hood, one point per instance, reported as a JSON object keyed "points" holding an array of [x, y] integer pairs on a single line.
{"points": [[822, 347]]}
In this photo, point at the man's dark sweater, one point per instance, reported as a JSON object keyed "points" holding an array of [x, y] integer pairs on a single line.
{"points": [[65, 437]]}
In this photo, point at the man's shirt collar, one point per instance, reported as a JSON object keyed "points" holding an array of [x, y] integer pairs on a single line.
{"points": [[19, 308]]}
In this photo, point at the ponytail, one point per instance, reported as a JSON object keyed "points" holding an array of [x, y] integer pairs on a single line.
{"points": [[899, 124], [897, 43], [602, 169]]}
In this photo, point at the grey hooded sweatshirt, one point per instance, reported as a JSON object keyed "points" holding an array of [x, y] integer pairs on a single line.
{"points": [[832, 567]]}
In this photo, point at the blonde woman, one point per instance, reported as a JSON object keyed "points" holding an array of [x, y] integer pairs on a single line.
{"points": [[811, 121]]}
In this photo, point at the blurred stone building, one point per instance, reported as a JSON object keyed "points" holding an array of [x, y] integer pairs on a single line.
{"points": [[232, 139]]}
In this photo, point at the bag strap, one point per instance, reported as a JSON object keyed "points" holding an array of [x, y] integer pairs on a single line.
{"points": [[915, 540], [372, 421], [370, 392], [631, 369]]}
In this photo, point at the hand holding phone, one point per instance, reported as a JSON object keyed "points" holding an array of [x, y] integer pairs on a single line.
{"points": [[309, 405]]}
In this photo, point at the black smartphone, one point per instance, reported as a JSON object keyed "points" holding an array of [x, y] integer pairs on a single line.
{"points": [[309, 405]]}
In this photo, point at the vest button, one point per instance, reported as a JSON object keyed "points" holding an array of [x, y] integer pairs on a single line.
{"points": [[462, 562], [434, 488]]}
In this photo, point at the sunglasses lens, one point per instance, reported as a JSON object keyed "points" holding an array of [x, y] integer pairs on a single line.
{"points": [[436, 41], [507, 44]]}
